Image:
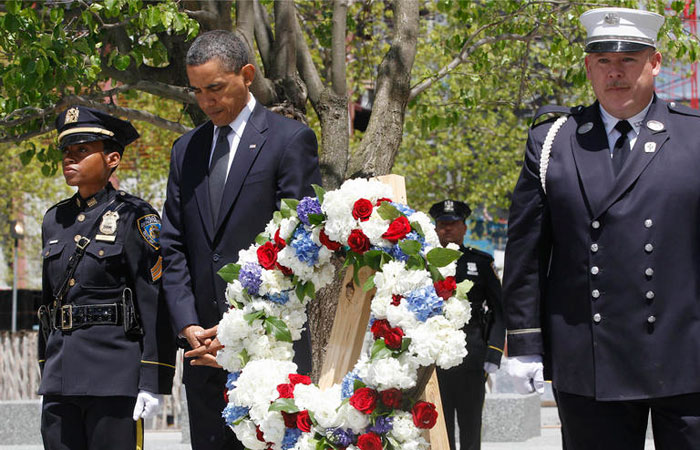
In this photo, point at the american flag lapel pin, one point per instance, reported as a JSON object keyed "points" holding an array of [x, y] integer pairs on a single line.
{"points": [[252, 146]]}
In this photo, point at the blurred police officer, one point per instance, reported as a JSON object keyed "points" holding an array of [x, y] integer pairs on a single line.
{"points": [[462, 388], [106, 349], [603, 255]]}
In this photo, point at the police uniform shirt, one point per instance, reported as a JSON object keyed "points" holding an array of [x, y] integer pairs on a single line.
{"points": [[101, 360]]}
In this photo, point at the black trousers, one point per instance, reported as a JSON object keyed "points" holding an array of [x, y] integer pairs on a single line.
{"points": [[90, 423], [588, 424], [462, 391], [205, 402]]}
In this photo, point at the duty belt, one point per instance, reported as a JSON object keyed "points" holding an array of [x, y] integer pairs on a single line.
{"points": [[70, 317]]}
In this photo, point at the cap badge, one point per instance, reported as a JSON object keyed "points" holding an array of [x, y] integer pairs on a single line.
{"points": [[109, 222], [655, 125], [612, 19], [449, 206], [650, 147], [585, 128], [72, 115]]}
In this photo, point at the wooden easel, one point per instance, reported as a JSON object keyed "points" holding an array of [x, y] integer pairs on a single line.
{"points": [[349, 327]]}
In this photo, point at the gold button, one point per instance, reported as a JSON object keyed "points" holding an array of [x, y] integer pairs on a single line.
{"points": [[47, 253], [101, 252], [72, 282], [76, 238], [81, 217]]}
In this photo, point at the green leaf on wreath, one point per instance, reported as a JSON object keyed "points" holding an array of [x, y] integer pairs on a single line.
{"points": [[243, 356], [379, 350], [388, 212], [250, 317], [358, 384], [415, 263], [316, 219], [310, 290], [300, 291], [440, 257], [277, 217], [369, 284], [417, 228], [463, 287], [405, 342], [284, 404], [261, 239], [290, 203], [435, 273], [320, 192], [278, 329], [229, 272], [410, 247], [373, 259]]}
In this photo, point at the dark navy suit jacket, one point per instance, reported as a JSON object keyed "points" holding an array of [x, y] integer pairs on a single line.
{"points": [[602, 272], [276, 158]]}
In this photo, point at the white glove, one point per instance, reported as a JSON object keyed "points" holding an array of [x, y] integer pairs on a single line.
{"points": [[528, 373], [490, 367], [147, 405]]}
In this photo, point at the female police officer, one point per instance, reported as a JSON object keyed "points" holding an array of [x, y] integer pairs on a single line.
{"points": [[106, 349]]}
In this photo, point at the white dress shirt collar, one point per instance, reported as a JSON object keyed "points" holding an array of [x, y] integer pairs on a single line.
{"points": [[636, 121]]}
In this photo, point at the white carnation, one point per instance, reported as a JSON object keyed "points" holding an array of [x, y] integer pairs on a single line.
{"points": [[247, 434]]}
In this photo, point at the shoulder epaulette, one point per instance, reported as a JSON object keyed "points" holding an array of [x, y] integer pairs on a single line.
{"points": [[679, 108], [62, 202], [480, 253], [555, 109], [138, 202]]}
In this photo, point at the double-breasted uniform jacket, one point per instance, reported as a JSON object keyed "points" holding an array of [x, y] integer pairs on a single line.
{"points": [[100, 359], [276, 158], [601, 273]]}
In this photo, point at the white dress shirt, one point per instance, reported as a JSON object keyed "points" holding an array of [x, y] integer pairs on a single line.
{"points": [[234, 138], [609, 121]]}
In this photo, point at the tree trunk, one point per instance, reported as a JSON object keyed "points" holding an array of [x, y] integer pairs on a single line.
{"points": [[335, 139]]}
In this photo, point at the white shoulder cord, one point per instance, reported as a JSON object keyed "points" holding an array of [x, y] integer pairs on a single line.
{"points": [[547, 149]]}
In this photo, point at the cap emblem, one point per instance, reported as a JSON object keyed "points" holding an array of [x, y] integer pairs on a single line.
{"points": [[612, 19], [72, 115], [449, 206]]}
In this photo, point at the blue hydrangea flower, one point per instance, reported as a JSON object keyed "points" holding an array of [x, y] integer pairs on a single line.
{"points": [[424, 303], [232, 413], [232, 378], [348, 386], [341, 437], [395, 252], [414, 236], [307, 206], [291, 436], [303, 245], [383, 425], [405, 210], [279, 298], [249, 276]]}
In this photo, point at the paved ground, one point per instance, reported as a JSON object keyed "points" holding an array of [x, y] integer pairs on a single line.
{"points": [[549, 440]]}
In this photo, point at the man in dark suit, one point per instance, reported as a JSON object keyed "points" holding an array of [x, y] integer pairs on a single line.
{"points": [[462, 388], [603, 253], [227, 177]]}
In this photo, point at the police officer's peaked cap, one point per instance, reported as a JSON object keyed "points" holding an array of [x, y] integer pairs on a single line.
{"points": [[79, 124], [620, 29], [450, 210]]}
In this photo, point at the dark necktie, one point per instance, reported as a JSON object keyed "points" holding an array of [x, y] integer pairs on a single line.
{"points": [[218, 170], [622, 146]]}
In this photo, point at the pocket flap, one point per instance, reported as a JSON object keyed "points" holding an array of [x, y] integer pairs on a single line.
{"points": [[52, 249], [102, 250]]}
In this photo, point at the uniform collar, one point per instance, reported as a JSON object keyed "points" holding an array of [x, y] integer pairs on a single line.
{"points": [[94, 200], [609, 121]]}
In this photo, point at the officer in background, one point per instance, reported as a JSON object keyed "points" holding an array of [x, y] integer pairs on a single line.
{"points": [[106, 349], [603, 257], [462, 388]]}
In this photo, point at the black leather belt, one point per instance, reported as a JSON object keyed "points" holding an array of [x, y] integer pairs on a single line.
{"points": [[71, 317]]}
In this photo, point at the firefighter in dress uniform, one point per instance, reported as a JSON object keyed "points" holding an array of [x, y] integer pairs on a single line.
{"points": [[106, 348], [462, 388]]}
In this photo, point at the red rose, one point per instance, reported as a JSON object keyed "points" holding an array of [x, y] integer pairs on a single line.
{"points": [[259, 434], [379, 328], [396, 299], [392, 398], [226, 395], [362, 209], [358, 242], [285, 270], [364, 400], [279, 242], [445, 288], [424, 415], [286, 390], [369, 441], [398, 229], [392, 338], [381, 200], [304, 421], [290, 419], [325, 240], [267, 255], [295, 379]]}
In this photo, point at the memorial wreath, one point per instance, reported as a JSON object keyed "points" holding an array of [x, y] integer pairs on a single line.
{"points": [[416, 318]]}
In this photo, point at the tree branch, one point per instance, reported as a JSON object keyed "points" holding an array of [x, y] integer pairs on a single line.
{"points": [[338, 52], [262, 88], [263, 35], [285, 42], [307, 67]]}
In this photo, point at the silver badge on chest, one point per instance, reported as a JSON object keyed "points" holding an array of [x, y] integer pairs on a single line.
{"points": [[109, 222], [471, 268]]}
